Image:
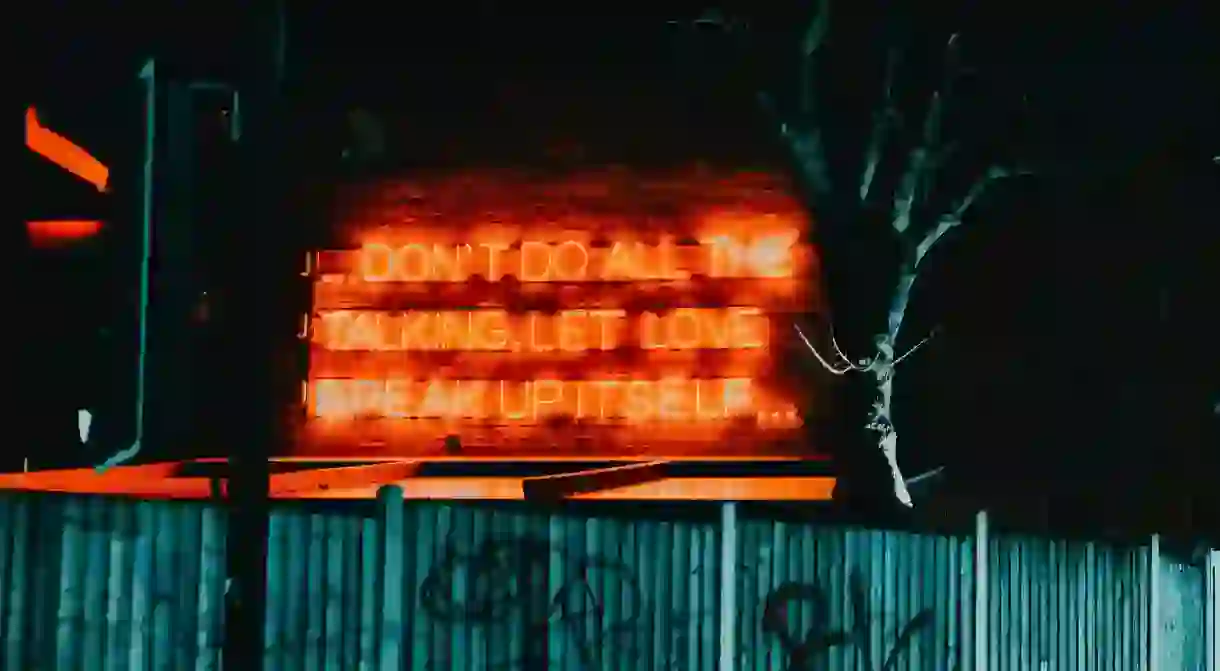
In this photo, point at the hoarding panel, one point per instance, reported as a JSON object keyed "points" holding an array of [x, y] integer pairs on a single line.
{"points": [[602, 313]]}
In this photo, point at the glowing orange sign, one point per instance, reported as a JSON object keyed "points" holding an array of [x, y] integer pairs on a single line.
{"points": [[56, 232], [573, 260], [63, 152], [623, 331], [533, 401], [537, 332]]}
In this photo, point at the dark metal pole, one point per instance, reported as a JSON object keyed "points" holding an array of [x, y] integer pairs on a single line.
{"points": [[253, 329]]}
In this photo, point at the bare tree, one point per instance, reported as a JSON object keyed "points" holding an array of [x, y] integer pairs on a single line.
{"points": [[917, 197]]}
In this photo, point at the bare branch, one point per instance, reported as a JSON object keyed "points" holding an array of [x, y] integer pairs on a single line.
{"points": [[825, 364], [884, 120], [863, 364], [952, 68], [942, 227], [953, 218], [805, 141], [815, 35], [803, 134], [924, 476], [914, 347], [904, 196], [993, 174], [932, 152]]}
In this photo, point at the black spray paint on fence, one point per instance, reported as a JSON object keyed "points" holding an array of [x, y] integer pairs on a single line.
{"points": [[803, 649], [505, 582]]}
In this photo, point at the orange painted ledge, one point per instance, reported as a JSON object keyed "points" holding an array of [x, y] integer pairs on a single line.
{"points": [[156, 481]]}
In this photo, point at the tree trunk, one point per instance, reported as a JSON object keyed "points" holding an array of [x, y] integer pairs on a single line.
{"points": [[864, 484]]}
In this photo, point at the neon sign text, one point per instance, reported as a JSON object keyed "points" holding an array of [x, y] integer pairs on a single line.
{"points": [[564, 331], [717, 256], [630, 401]]}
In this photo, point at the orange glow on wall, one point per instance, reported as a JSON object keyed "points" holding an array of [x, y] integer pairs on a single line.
{"points": [[551, 316], [64, 153], [54, 233]]}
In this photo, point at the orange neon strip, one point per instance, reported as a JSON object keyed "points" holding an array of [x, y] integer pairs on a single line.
{"points": [[466, 459], [59, 231], [64, 153], [146, 484], [671, 489]]}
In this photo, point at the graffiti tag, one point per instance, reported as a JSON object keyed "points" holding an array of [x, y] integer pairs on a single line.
{"points": [[803, 649], [505, 583]]}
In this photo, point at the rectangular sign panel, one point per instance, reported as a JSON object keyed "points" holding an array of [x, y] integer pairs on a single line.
{"points": [[605, 314]]}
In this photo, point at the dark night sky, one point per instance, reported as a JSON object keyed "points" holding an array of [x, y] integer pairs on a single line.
{"points": [[1073, 316]]}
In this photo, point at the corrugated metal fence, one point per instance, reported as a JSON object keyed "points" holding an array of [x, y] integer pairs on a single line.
{"points": [[107, 583], [103, 583]]}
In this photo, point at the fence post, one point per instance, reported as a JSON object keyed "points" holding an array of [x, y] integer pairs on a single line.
{"points": [[393, 544], [982, 586], [1154, 604], [728, 586], [1211, 616]]}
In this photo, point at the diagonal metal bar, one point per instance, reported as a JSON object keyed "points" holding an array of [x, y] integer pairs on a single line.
{"points": [[552, 487]]}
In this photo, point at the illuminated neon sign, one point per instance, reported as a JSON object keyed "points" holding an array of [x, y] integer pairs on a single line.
{"points": [[587, 330], [64, 153]]}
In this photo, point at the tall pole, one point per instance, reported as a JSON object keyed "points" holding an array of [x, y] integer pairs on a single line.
{"points": [[256, 307]]}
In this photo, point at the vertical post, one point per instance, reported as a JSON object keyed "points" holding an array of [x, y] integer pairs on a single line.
{"points": [[390, 513], [982, 589], [1212, 612], [728, 586], [256, 309], [1154, 604]]}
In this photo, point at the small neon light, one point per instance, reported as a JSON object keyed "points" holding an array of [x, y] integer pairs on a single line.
{"points": [[64, 153], [56, 232]]}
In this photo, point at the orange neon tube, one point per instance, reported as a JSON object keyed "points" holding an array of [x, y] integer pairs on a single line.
{"points": [[64, 153], [59, 231]]}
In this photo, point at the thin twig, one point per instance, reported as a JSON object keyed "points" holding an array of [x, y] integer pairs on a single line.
{"points": [[818, 355], [815, 35], [913, 348], [884, 120], [834, 342]]}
